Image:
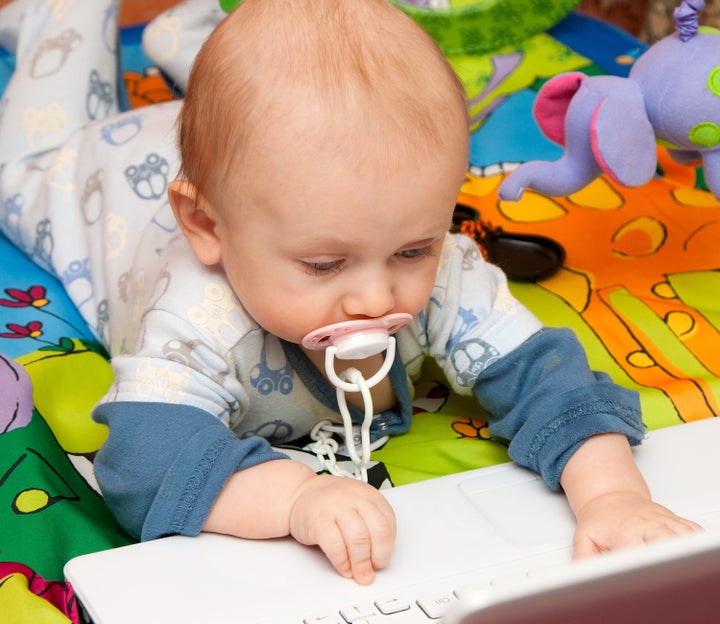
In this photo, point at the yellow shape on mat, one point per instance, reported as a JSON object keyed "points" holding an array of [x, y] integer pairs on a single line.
{"points": [[66, 388], [18, 605]]}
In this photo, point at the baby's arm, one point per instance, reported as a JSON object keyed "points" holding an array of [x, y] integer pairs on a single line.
{"points": [[542, 396], [555, 410], [349, 520], [611, 500], [169, 469]]}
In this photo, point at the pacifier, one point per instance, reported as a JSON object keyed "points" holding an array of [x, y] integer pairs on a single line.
{"points": [[352, 340], [357, 340]]}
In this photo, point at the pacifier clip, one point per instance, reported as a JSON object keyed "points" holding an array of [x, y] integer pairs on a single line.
{"points": [[352, 340]]}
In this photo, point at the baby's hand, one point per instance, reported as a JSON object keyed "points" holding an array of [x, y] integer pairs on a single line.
{"points": [[619, 519], [349, 520]]}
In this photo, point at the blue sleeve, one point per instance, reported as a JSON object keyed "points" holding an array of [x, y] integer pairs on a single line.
{"points": [[163, 465], [544, 398]]}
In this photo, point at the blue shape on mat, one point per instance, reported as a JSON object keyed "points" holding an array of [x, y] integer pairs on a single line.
{"points": [[59, 317], [510, 135], [600, 42]]}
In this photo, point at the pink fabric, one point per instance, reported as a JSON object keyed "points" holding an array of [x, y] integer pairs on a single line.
{"points": [[60, 595], [552, 103], [596, 148]]}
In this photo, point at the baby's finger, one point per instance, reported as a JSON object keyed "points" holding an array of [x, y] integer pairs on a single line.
{"points": [[683, 525], [670, 527], [382, 526], [332, 543], [359, 542], [346, 544]]}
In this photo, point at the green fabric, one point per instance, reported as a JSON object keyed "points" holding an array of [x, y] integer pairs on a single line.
{"points": [[477, 26], [48, 512], [448, 434], [486, 25]]}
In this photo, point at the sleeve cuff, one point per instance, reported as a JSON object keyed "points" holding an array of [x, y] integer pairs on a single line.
{"points": [[193, 482]]}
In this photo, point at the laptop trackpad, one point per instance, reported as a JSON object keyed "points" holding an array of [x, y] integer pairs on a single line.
{"points": [[521, 507]]}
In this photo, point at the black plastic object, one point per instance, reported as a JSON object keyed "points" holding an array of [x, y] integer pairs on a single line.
{"points": [[523, 257]]}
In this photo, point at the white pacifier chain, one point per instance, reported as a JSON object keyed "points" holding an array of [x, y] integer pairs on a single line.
{"points": [[352, 340]]}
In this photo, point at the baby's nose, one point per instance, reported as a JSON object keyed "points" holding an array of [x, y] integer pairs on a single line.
{"points": [[372, 297]]}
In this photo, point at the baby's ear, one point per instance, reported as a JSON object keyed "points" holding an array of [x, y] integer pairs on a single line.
{"points": [[195, 217]]}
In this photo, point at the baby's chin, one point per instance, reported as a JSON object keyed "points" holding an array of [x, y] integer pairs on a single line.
{"points": [[281, 328], [293, 337]]}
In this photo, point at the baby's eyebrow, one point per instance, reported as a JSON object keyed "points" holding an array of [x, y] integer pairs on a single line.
{"points": [[424, 242]]}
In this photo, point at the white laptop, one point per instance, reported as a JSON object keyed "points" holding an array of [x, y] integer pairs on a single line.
{"points": [[671, 581], [468, 545]]}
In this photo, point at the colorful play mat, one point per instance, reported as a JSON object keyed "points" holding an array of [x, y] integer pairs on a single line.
{"points": [[639, 285]]}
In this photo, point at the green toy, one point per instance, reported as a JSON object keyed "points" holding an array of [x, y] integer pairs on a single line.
{"points": [[477, 26]]}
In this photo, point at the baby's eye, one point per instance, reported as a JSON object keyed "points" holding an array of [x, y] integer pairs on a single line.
{"points": [[322, 268], [412, 254]]}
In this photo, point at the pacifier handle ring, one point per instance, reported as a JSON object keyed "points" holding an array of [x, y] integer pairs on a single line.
{"points": [[361, 463], [373, 381]]}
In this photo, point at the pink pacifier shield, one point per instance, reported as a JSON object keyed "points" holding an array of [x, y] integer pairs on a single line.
{"points": [[357, 339]]}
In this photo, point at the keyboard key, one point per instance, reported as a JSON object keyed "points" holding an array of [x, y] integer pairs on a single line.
{"points": [[414, 615], [324, 618], [477, 584], [356, 613], [389, 606], [436, 605]]}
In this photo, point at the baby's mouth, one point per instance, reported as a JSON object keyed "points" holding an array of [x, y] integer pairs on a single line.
{"points": [[357, 339]]}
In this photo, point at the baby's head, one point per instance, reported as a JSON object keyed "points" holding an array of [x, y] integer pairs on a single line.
{"points": [[320, 115], [350, 75]]}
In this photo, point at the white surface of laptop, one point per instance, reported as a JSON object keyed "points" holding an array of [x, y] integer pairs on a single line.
{"points": [[468, 545]]}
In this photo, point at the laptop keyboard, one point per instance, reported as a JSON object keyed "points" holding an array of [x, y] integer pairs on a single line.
{"points": [[429, 605], [390, 610]]}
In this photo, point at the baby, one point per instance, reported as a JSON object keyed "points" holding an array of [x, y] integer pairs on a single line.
{"points": [[322, 144]]}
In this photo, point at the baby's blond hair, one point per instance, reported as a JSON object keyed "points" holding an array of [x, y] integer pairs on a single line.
{"points": [[360, 73]]}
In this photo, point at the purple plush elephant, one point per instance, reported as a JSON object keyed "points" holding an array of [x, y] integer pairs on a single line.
{"points": [[611, 125]]}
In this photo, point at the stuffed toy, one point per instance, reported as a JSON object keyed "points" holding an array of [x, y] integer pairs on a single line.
{"points": [[611, 125]]}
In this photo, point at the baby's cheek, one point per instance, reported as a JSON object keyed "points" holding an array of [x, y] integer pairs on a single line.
{"points": [[415, 293]]}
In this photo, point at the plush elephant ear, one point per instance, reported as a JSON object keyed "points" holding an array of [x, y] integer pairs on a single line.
{"points": [[552, 102], [623, 140]]}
